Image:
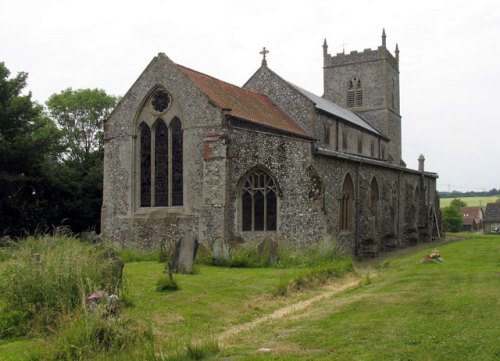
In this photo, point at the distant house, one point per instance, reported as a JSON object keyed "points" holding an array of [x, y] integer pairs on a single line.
{"points": [[492, 218], [473, 218]]}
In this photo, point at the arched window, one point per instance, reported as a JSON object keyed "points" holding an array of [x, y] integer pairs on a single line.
{"points": [[177, 170], [354, 93], [145, 147], [374, 198], [346, 203], [259, 202], [161, 164], [161, 176]]}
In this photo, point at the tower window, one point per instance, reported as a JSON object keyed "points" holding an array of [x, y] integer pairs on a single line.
{"points": [[354, 93]]}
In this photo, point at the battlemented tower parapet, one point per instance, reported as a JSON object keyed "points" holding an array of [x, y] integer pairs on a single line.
{"points": [[367, 82]]}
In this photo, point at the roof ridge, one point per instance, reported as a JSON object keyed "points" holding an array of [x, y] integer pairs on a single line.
{"points": [[222, 81]]}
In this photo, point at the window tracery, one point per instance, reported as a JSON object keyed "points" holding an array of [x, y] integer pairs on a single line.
{"points": [[259, 202], [160, 163]]}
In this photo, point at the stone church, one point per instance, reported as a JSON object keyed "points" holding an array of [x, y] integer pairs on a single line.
{"points": [[186, 152]]}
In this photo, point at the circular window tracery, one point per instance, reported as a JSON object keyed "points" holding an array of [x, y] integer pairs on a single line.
{"points": [[160, 101]]}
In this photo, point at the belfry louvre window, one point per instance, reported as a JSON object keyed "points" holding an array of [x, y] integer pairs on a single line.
{"points": [[161, 153], [346, 204], [354, 93], [259, 202]]}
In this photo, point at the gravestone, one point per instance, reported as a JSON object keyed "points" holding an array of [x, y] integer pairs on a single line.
{"points": [[268, 250], [184, 254], [220, 251]]}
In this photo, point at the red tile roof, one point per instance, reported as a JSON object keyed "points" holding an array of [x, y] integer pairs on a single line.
{"points": [[243, 104]]}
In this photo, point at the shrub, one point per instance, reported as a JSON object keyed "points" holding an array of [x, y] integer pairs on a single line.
{"points": [[49, 277]]}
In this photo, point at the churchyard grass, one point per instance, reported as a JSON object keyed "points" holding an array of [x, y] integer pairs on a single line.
{"points": [[401, 309], [407, 311], [470, 201]]}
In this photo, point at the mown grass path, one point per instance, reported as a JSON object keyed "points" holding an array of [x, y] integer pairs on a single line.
{"points": [[410, 311]]}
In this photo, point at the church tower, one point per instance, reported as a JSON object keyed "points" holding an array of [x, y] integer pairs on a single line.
{"points": [[368, 83]]}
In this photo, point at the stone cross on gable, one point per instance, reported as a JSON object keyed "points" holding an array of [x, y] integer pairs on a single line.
{"points": [[264, 51]]}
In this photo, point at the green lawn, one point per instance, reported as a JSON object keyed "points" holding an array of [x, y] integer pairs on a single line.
{"points": [[411, 311], [405, 310], [470, 201]]}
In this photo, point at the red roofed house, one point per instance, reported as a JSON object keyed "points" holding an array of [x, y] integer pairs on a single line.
{"points": [[473, 218], [186, 152]]}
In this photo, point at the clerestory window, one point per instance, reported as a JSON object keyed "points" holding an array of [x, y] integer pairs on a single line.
{"points": [[161, 172], [259, 202], [354, 93]]}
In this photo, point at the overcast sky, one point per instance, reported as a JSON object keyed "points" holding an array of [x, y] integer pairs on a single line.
{"points": [[449, 58]]}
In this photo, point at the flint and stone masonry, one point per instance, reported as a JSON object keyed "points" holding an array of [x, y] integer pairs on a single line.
{"points": [[185, 152]]}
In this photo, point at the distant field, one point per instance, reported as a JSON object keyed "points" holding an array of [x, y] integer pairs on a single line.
{"points": [[471, 201]]}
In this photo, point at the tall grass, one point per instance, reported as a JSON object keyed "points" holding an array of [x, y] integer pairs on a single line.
{"points": [[47, 278]]}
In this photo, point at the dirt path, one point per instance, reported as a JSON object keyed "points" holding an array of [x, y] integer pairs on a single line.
{"points": [[330, 291], [363, 269]]}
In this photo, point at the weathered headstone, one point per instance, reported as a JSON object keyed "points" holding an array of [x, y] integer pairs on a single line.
{"points": [[185, 254], [220, 251], [268, 249]]}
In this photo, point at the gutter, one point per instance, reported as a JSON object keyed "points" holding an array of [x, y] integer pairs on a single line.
{"points": [[317, 150]]}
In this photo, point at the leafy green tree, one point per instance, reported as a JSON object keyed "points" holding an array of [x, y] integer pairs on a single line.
{"points": [[81, 113], [458, 203], [453, 218], [29, 146]]}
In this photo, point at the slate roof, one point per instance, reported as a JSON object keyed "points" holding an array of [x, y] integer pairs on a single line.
{"points": [[492, 212], [244, 104], [335, 109]]}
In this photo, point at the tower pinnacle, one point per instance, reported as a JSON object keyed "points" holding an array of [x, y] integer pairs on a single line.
{"points": [[325, 48], [383, 37], [397, 53]]}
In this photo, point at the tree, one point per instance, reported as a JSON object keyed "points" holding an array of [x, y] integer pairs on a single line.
{"points": [[81, 113], [29, 146], [458, 203], [453, 218]]}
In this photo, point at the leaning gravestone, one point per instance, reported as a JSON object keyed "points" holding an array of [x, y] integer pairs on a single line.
{"points": [[184, 254], [268, 250], [220, 251]]}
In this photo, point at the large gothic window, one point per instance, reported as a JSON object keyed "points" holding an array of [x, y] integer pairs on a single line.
{"points": [[161, 179], [346, 204], [354, 93], [259, 202]]}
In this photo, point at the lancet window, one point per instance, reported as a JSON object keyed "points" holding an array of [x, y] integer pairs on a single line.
{"points": [[346, 204]]}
